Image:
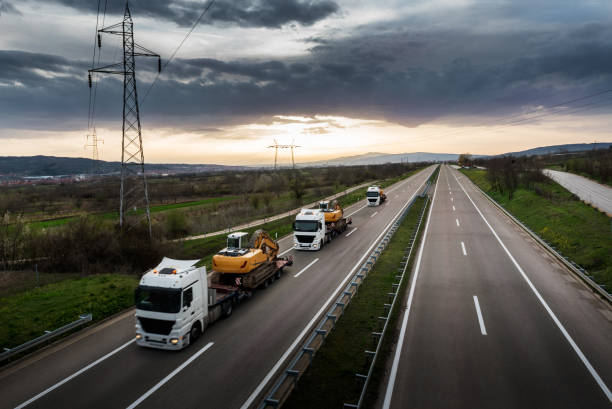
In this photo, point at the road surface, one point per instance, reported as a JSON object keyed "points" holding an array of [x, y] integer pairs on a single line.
{"points": [[235, 356], [492, 321], [596, 194]]}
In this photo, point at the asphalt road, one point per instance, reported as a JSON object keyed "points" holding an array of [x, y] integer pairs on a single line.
{"points": [[230, 362], [596, 194], [488, 325]]}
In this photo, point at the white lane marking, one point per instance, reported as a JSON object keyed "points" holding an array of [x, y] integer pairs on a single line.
{"points": [[483, 330], [286, 251], [396, 196], [373, 214], [361, 208], [400, 342], [306, 268], [74, 375], [552, 315], [351, 232], [172, 374], [463, 248], [457, 220], [453, 208], [450, 193], [452, 199], [247, 404]]}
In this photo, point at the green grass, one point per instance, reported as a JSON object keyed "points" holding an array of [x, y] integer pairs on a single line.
{"points": [[28, 314], [577, 230], [330, 379]]}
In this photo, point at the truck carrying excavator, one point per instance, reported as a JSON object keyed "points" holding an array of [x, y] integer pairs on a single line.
{"points": [[315, 227], [375, 196], [176, 300]]}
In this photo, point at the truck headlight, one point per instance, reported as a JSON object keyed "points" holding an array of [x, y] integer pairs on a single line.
{"points": [[174, 341], [138, 336], [315, 245]]}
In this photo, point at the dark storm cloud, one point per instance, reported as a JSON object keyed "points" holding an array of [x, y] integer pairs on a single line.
{"points": [[398, 75], [249, 13]]}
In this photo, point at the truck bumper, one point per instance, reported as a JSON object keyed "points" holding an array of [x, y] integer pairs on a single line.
{"points": [[174, 341], [306, 247]]}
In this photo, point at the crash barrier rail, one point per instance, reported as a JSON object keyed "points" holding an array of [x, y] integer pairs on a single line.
{"points": [[8, 352], [394, 295], [265, 220], [579, 271], [277, 395]]}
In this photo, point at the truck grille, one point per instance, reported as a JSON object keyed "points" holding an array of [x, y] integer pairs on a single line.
{"points": [[153, 326], [372, 200], [304, 239]]}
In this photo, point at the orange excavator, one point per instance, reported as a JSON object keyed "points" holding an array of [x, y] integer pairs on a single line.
{"points": [[249, 264], [333, 211]]}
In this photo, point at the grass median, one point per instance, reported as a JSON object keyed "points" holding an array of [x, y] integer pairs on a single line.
{"points": [[330, 380], [577, 230]]}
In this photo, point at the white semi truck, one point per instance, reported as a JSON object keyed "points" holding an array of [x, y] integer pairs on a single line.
{"points": [[175, 302], [375, 196], [313, 228]]}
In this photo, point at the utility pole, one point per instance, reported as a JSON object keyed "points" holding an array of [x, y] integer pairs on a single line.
{"points": [[134, 196], [94, 145], [278, 146]]}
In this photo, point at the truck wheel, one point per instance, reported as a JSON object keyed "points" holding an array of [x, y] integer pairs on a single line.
{"points": [[277, 275], [194, 333], [321, 244], [228, 308]]}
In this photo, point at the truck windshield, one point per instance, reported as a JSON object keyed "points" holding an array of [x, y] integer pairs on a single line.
{"points": [[233, 242], [158, 299], [305, 225], [372, 194]]}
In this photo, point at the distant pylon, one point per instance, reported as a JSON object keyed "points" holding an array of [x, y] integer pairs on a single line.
{"points": [[92, 141], [278, 146], [134, 194]]}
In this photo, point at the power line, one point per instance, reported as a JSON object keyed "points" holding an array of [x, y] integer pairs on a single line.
{"points": [[208, 6]]}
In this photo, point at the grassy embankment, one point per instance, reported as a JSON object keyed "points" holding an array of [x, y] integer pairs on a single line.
{"points": [[28, 313], [330, 380], [577, 230]]}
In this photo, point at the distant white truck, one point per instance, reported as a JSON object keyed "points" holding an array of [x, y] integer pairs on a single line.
{"points": [[375, 196], [175, 303]]}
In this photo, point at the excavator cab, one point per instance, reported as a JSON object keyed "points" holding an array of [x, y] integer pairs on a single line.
{"points": [[237, 240]]}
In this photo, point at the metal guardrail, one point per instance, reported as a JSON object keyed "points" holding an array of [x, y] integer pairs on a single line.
{"points": [[8, 352], [572, 266], [378, 336], [288, 379]]}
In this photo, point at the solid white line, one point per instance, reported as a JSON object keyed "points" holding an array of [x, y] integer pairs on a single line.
{"points": [[74, 375], [463, 248], [247, 404], [552, 315], [306, 268], [285, 252], [400, 342], [483, 330], [453, 208], [351, 232], [172, 374], [457, 220], [373, 214]]}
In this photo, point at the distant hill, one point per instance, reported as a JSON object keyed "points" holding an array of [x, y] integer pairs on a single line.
{"points": [[55, 166], [549, 150], [375, 158]]}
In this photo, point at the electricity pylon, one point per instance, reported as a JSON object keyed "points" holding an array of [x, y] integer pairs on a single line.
{"points": [[278, 146], [93, 140], [134, 196]]}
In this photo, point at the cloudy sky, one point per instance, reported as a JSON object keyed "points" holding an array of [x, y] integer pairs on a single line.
{"points": [[338, 77]]}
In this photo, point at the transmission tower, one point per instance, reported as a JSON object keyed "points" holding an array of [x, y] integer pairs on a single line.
{"points": [[134, 196], [92, 141], [278, 146]]}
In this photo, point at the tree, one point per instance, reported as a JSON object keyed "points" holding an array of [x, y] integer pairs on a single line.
{"points": [[465, 159]]}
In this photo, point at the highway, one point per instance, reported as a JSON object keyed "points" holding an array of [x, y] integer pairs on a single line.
{"points": [[492, 321], [235, 358], [596, 194]]}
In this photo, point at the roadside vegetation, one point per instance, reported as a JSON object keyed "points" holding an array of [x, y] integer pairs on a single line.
{"points": [[330, 380], [577, 230], [595, 164]]}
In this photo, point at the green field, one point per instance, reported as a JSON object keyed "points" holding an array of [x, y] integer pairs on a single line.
{"points": [[577, 230], [330, 380], [28, 314]]}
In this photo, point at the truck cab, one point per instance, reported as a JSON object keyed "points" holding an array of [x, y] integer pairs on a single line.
{"points": [[375, 196], [309, 230], [171, 304]]}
